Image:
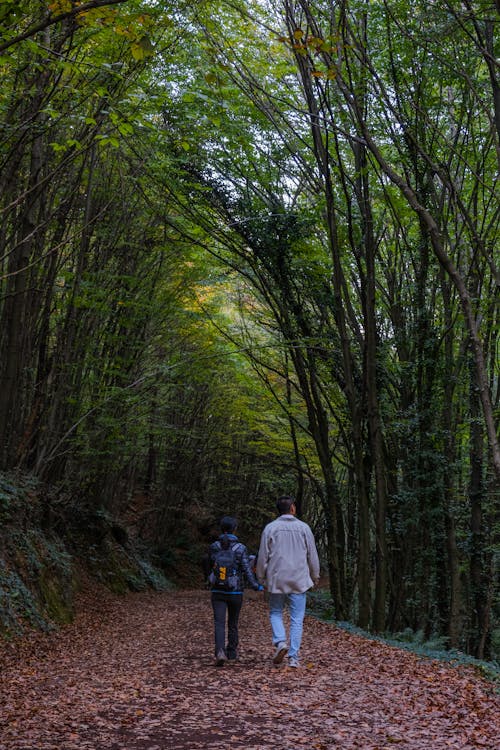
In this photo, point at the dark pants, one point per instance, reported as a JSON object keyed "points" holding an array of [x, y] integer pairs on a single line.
{"points": [[230, 604]]}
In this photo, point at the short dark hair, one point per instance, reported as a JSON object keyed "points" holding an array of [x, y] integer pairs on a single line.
{"points": [[284, 504], [228, 523]]}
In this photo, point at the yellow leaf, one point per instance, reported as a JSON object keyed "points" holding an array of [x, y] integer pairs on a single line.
{"points": [[137, 51], [60, 6], [122, 31], [142, 49], [314, 41]]}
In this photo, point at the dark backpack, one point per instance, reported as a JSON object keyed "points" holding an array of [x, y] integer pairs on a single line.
{"points": [[224, 575]]}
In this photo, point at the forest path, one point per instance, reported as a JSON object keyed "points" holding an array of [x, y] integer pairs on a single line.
{"points": [[137, 673]]}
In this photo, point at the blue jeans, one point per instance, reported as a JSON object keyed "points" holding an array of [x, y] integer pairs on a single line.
{"points": [[296, 607]]}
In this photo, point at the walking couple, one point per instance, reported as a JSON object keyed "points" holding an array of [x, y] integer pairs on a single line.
{"points": [[287, 566]]}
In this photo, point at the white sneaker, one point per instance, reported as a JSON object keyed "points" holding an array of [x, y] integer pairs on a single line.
{"points": [[293, 662], [279, 654]]}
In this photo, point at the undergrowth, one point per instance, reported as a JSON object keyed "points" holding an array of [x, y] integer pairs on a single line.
{"points": [[320, 605]]}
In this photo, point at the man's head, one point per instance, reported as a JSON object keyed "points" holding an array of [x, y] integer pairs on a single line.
{"points": [[285, 505], [228, 524]]}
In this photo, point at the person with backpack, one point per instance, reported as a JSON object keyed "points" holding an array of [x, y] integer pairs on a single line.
{"points": [[230, 568], [288, 564]]}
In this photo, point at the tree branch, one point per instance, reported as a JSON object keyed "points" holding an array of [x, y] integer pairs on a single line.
{"points": [[55, 18]]}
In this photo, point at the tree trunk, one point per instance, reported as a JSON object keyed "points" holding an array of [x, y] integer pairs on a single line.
{"points": [[478, 573], [318, 424], [15, 315], [370, 365], [338, 280]]}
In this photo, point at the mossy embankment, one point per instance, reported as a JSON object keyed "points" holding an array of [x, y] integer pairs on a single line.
{"points": [[46, 551]]}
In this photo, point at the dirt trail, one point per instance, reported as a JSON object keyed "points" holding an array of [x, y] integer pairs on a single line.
{"points": [[137, 673]]}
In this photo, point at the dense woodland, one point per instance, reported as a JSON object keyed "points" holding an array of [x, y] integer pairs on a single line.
{"points": [[251, 246]]}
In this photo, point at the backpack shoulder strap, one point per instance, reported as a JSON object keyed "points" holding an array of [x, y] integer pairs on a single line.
{"points": [[238, 547]]}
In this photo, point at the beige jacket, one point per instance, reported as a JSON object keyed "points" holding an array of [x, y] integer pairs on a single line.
{"points": [[287, 562]]}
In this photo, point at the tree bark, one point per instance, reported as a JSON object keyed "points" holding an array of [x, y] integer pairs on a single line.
{"points": [[374, 421], [478, 567], [14, 320]]}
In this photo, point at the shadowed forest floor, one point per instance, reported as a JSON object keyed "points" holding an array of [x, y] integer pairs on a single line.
{"points": [[137, 673]]}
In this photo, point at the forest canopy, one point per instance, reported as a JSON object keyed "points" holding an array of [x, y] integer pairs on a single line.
{"points": [[251, 246]]}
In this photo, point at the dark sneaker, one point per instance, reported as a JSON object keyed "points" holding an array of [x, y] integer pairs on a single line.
{"points": [[220, 659], [279, 654]]}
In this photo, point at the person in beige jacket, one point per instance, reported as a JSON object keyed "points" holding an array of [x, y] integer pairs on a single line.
{"points": [[287, 565]]}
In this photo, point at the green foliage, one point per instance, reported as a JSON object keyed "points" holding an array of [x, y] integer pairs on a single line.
{"points": [[7, 498], [434, 649], [18, 604], [15, 492], [185, 278], [36, 584], [320, 604]]}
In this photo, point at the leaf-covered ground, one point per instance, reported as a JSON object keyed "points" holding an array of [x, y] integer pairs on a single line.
{"points": [[137, 673]]}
